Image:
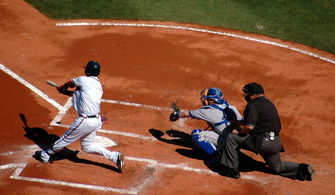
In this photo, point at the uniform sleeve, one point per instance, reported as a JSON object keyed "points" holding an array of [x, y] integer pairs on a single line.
{"points": [[77, 81], [251, 114], [199, 114], [237, 113]]}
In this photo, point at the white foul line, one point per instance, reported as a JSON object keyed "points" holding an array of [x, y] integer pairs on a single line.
{"points": [[196, 30], [149, 138], [31, 87], [135, 104]]}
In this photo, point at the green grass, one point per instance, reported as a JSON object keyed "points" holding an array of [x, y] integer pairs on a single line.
{"points": [[309, 22]]}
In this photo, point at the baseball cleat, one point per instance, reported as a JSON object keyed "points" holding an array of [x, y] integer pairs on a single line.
{"points": [[42, 156], [306, 172], [120, 162]]}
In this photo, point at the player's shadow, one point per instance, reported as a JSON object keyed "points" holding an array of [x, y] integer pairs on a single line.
{"points": [[246, 163], [44, 140], [180, 138]]}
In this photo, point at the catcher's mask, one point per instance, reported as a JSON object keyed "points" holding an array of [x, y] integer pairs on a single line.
{"points": [[211, 94], [92, 68], [252, 89]]}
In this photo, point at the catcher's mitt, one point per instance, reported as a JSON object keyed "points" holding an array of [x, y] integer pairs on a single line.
{"points": [[175, 114]]}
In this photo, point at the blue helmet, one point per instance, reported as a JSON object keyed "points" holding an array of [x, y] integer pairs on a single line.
{"points": [[212, 94]]}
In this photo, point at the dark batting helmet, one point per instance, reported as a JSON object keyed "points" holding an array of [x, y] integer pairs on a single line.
{"points": [[92, 68]]}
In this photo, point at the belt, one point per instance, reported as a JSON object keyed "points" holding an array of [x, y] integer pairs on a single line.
{"points": [[88, 116]]}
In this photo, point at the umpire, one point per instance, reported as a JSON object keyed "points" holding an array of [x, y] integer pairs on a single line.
{"points": [[260, 134]]}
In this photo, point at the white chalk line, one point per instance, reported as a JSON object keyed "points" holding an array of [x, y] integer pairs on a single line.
{"points": [[31, 87], [19, 167], [135, 104], [67, 106], [134, 135], [196, 30]]}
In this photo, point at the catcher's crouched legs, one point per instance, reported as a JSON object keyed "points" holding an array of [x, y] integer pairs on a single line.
{"points": [[201, 142]]}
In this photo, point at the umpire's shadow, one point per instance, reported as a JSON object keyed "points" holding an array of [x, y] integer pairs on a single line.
{"points": [[44, 140], [180, 138], [246, 163]]}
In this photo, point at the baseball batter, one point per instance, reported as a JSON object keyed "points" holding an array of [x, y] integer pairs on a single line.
{"points": [[86, 99], [214, 112]]}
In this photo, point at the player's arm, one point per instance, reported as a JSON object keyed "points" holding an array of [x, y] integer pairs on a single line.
{"points": [[63, 89], [184, 114], [245, 129]]}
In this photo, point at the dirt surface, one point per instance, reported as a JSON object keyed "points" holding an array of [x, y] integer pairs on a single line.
{"points": [[152, 67]]}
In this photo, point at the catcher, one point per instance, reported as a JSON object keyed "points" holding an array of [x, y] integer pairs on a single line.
{"points": [[218, 114]]}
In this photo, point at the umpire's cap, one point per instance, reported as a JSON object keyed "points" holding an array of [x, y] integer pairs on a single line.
{"points": [[253, 88]]}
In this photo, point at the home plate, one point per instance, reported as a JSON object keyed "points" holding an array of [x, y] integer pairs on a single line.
{"points": [[104, 141]]}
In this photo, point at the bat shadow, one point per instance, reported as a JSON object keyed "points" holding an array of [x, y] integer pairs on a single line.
{"points": [[45, 140]]}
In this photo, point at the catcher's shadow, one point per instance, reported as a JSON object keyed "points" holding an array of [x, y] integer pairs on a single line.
{"points": [[247, 164], [180, 138], [44, 140]]}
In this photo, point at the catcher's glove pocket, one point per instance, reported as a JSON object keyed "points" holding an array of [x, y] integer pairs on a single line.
{"points": [[174, 116]]}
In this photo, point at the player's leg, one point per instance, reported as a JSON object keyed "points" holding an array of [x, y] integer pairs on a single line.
{"points": [[88, 145], [205, 140], [71, 135]]}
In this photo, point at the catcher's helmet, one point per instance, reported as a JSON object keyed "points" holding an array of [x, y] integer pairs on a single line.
{"points": [[211, 94], [92, 68]]}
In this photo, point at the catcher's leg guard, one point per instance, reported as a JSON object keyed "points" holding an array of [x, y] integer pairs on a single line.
{"points": [[202, 142]]}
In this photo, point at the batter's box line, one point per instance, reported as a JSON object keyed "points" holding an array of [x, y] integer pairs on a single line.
{"points": [[152, 164], [20, 167]]}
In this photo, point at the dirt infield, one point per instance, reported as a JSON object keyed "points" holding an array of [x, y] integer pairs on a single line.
{"points": [[145, 67]]}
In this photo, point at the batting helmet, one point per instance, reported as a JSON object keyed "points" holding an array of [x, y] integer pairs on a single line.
{"points": [[211, 94], [92, 68]]}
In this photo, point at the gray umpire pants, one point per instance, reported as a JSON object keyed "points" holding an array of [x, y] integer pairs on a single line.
{"points": [[270, 151]]}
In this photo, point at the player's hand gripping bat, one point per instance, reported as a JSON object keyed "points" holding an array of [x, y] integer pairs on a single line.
{"points": [[61, 89]]}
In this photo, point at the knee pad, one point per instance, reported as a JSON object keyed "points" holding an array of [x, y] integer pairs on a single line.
{"points": [[202, 142], [196, 132]]}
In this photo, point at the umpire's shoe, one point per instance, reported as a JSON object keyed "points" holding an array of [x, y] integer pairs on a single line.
{"points": [[213, 160], [120, 162], [229, 172], [305, 172]]}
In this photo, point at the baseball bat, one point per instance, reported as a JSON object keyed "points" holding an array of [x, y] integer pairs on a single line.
{"points": [[51, 83]]}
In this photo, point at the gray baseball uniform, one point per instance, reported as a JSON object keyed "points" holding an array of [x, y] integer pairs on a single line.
{"points": [[217, 121]]}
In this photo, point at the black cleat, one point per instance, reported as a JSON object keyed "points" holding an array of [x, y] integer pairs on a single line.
{"points": [[305, 172], [229, 172]]}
